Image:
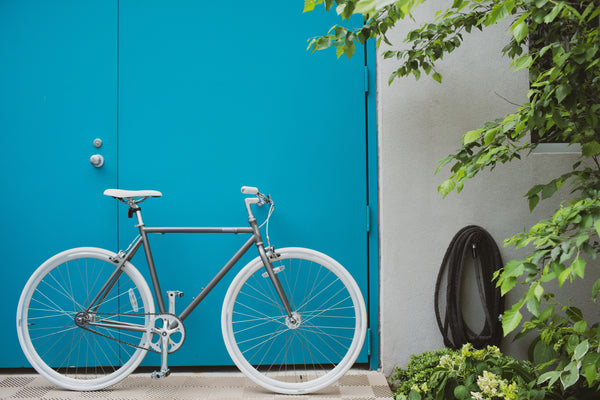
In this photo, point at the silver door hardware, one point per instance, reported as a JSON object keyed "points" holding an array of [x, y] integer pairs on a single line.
{"points": [[97, 160], [97, 143]]}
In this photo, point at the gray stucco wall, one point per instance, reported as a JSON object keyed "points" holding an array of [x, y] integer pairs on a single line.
{"points": [[419, 123]]}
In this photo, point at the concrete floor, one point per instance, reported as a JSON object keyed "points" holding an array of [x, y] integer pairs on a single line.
{"points": [[355, 385]]}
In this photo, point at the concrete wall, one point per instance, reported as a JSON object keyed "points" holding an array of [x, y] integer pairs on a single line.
{"points": [[419, 123]]}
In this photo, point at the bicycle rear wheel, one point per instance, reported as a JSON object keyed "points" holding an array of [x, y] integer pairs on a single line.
{"points": [[89, 357], [309, 351]]}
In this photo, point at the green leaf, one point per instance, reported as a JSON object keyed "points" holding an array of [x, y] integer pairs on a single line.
{"points": [[513, 268], [520, 31], [576, 315], [437, 77], [581, 350], [570, 375], [490, 136], [309, 5], [564, 276], [591, 374], [581, 239], [349, 50], [533, 201], [524, 61], [461, 392], [510, 320], [580, 326], [590, 149], [542, 353], [499, 12], [549, 190], [365, 6], [538, 291], [534, 190], [533, 306], [550, 16], [507, 284], [547, 313], [578, 267], [446, 187], [597, 226], [322, 43], [414, 395], [595, 289], [471, 136], [551, 377], [562, 91]]}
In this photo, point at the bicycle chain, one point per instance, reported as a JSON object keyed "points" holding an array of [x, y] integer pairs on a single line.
{"points": [[124, 342]]}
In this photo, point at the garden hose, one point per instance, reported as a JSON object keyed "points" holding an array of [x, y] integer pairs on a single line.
{"points": [[471, 242]]}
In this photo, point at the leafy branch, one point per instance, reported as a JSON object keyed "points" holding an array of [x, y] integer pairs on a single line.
{"points": [[558, 43]]}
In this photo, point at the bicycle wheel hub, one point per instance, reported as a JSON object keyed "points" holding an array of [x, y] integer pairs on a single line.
{"points": [[294, 321], [82, 318]]}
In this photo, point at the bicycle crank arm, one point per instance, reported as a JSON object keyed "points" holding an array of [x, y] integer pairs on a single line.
{"points": [[164, 356]]}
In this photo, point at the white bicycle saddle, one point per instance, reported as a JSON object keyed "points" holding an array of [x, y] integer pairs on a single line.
{"points": [[131, 194]]}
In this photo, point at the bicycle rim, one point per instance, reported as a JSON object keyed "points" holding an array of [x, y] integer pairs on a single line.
{"points": [[65, 353], [309, 351]]}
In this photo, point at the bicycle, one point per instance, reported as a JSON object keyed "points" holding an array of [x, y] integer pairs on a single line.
{"points": [[293, 319]]}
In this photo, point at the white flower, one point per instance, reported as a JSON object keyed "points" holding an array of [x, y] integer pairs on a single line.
{"points": [[477, 395], [488, 383], [446, 362]]}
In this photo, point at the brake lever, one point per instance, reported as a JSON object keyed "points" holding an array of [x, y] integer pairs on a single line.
{"points": [[262, 199]]}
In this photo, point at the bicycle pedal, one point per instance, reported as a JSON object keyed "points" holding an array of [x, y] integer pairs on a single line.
{"points": [[160, 374], [275, 271], [172, 294]]}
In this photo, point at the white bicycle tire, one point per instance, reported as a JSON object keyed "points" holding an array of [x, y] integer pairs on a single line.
{"points": [[23, 333], [331, 376]]}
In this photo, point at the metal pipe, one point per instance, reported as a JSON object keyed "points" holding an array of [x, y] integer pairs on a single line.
{"points": [[152, 269], [169, 229]]}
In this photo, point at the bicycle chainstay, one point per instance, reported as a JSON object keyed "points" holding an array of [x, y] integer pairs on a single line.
{"points": [[149, 346]]}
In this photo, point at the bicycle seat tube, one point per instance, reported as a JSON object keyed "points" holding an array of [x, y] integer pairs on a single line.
{"points": [[263, 256], [134, 208]]}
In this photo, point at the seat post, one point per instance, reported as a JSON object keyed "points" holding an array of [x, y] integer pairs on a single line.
{"points": [[134, 208]]}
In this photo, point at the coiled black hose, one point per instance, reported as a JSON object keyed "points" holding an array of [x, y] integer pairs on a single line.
{"points": [[476, 243]]}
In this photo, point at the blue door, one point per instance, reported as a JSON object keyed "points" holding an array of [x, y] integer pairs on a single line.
{"points": [[58, 75], [213, 96], [199, 99]]}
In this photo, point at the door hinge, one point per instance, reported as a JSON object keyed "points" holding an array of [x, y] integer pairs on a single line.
{"points": [[366, 79], [369, 342], [368, 219]]}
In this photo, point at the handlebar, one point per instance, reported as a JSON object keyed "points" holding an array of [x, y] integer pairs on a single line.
{"points": [[250, 190], [259, 200]]}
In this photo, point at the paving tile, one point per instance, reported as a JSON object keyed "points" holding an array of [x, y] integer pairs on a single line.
{"points": [[355, 385]]}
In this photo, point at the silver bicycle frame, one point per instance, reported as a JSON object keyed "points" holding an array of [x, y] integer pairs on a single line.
{"points": [[142, 240]]}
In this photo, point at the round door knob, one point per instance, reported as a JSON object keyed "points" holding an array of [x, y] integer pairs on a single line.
{"points": [[97, 160]]}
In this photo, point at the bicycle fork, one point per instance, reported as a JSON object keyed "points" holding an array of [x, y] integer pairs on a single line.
{"points": [[271, 273]]}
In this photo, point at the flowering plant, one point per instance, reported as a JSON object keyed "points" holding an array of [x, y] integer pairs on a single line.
{"points": [[477, 374]]}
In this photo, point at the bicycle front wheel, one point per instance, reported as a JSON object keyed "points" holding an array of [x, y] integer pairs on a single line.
{"points": [[313, 348], [76, 355]]}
